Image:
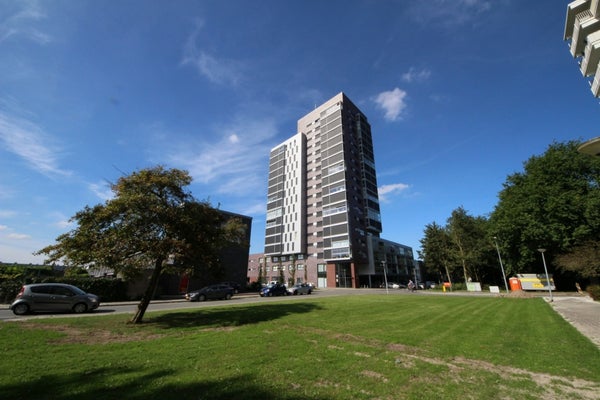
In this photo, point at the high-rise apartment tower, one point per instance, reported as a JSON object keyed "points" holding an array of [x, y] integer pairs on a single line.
{"points": [[322, 204]]}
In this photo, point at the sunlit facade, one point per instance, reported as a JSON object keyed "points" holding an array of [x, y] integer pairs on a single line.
{"points": [[322, 202]]}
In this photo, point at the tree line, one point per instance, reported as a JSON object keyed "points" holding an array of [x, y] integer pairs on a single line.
{"points": [[553, 204]]}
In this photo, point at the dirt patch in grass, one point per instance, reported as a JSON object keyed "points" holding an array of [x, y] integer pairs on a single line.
{"points": [[520, 294], [551, 386], [72, 335]]}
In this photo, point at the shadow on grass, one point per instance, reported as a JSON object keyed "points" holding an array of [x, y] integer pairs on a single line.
{"points": [[234, 316], [131, 384]]}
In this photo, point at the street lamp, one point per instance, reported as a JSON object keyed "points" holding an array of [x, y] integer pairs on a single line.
{"points": [[387, 291], [546, 270], [501, 266]]}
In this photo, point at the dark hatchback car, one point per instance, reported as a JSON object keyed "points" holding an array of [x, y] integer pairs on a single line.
{"points": [[274, 289], [211, 292], [49, 297], [236, 286]]}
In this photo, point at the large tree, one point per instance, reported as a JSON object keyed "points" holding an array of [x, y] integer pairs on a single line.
{"points": [[436, 251], [151, 223], [553, 204], [462, 248], [468, 236]]}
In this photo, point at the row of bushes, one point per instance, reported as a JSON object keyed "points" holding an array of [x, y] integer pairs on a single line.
{"points": [[108, 289]]}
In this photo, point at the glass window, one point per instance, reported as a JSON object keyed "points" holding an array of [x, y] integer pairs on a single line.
{"points": [[340, 253], [334, 210], [340, 243]]}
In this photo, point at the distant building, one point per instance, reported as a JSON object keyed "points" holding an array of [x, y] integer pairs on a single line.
{"points": [[323, 217], [233, 260]]}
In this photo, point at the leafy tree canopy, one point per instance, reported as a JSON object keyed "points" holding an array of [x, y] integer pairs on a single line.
{"points": [[152, 222], [554, 204]]}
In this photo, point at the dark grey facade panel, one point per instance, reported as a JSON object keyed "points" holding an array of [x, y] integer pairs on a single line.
{"points": [[273, 230], [275, 188], [334, 198], [274, 205], [373, 205], [335, 230], [273, 239], [335, 219], [332, 130], [332, 160], [332, 151], [273, 249]]}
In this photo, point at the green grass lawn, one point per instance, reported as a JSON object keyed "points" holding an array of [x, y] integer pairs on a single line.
{"points": [[350, 347]]}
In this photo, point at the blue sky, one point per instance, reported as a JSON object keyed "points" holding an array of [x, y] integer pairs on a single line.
{"points": [[459, 93]]}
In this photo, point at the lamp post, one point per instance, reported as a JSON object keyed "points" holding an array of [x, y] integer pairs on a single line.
{"points": [[546, 271], [501, 266], [387, 291]]}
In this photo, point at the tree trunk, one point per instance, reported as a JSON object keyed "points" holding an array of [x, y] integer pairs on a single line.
{"points": [[148, 294], [448, 274]]}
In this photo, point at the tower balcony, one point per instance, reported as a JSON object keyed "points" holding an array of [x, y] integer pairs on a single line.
{"points": [[591, 56], [585, 23], [573, 9]]}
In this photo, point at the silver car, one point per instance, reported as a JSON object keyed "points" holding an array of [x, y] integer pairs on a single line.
{"points": [[300, 288], [47, 297]]}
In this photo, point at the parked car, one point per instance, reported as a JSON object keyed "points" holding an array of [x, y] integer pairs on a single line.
{"points": [[300, 288], [48, 297], [236, 286], [273, 289], [211, 292], [393, 285]]}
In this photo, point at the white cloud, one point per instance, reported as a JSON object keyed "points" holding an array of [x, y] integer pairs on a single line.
{"points": [[448, 13], [216, 70], [395, 188], [234, 138], [3, 227], [28, 141], [7, 213], [259, 208], [234, 163], [18, 236], [64, 224], [416, 76], [20, 24], [102, 190], [61, 221], [392, 102]]}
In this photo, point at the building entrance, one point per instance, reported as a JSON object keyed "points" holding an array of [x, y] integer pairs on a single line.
{"points": [[343, 275]]}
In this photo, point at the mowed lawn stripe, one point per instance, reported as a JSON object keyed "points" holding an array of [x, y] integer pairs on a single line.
{"points": [[350, 347]]}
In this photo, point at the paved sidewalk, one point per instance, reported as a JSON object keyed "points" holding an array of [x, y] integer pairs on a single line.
{"points": [[582, 312]]}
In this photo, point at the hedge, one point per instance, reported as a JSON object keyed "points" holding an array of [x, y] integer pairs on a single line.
{"points": [[108, 289]]}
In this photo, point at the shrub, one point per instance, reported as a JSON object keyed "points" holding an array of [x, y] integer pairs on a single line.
{"points": [[253, 287], [9, 290], [108, 289], [594, 291]]}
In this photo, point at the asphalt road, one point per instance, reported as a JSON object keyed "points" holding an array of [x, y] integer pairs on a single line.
{"points": [[164, 305]]}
